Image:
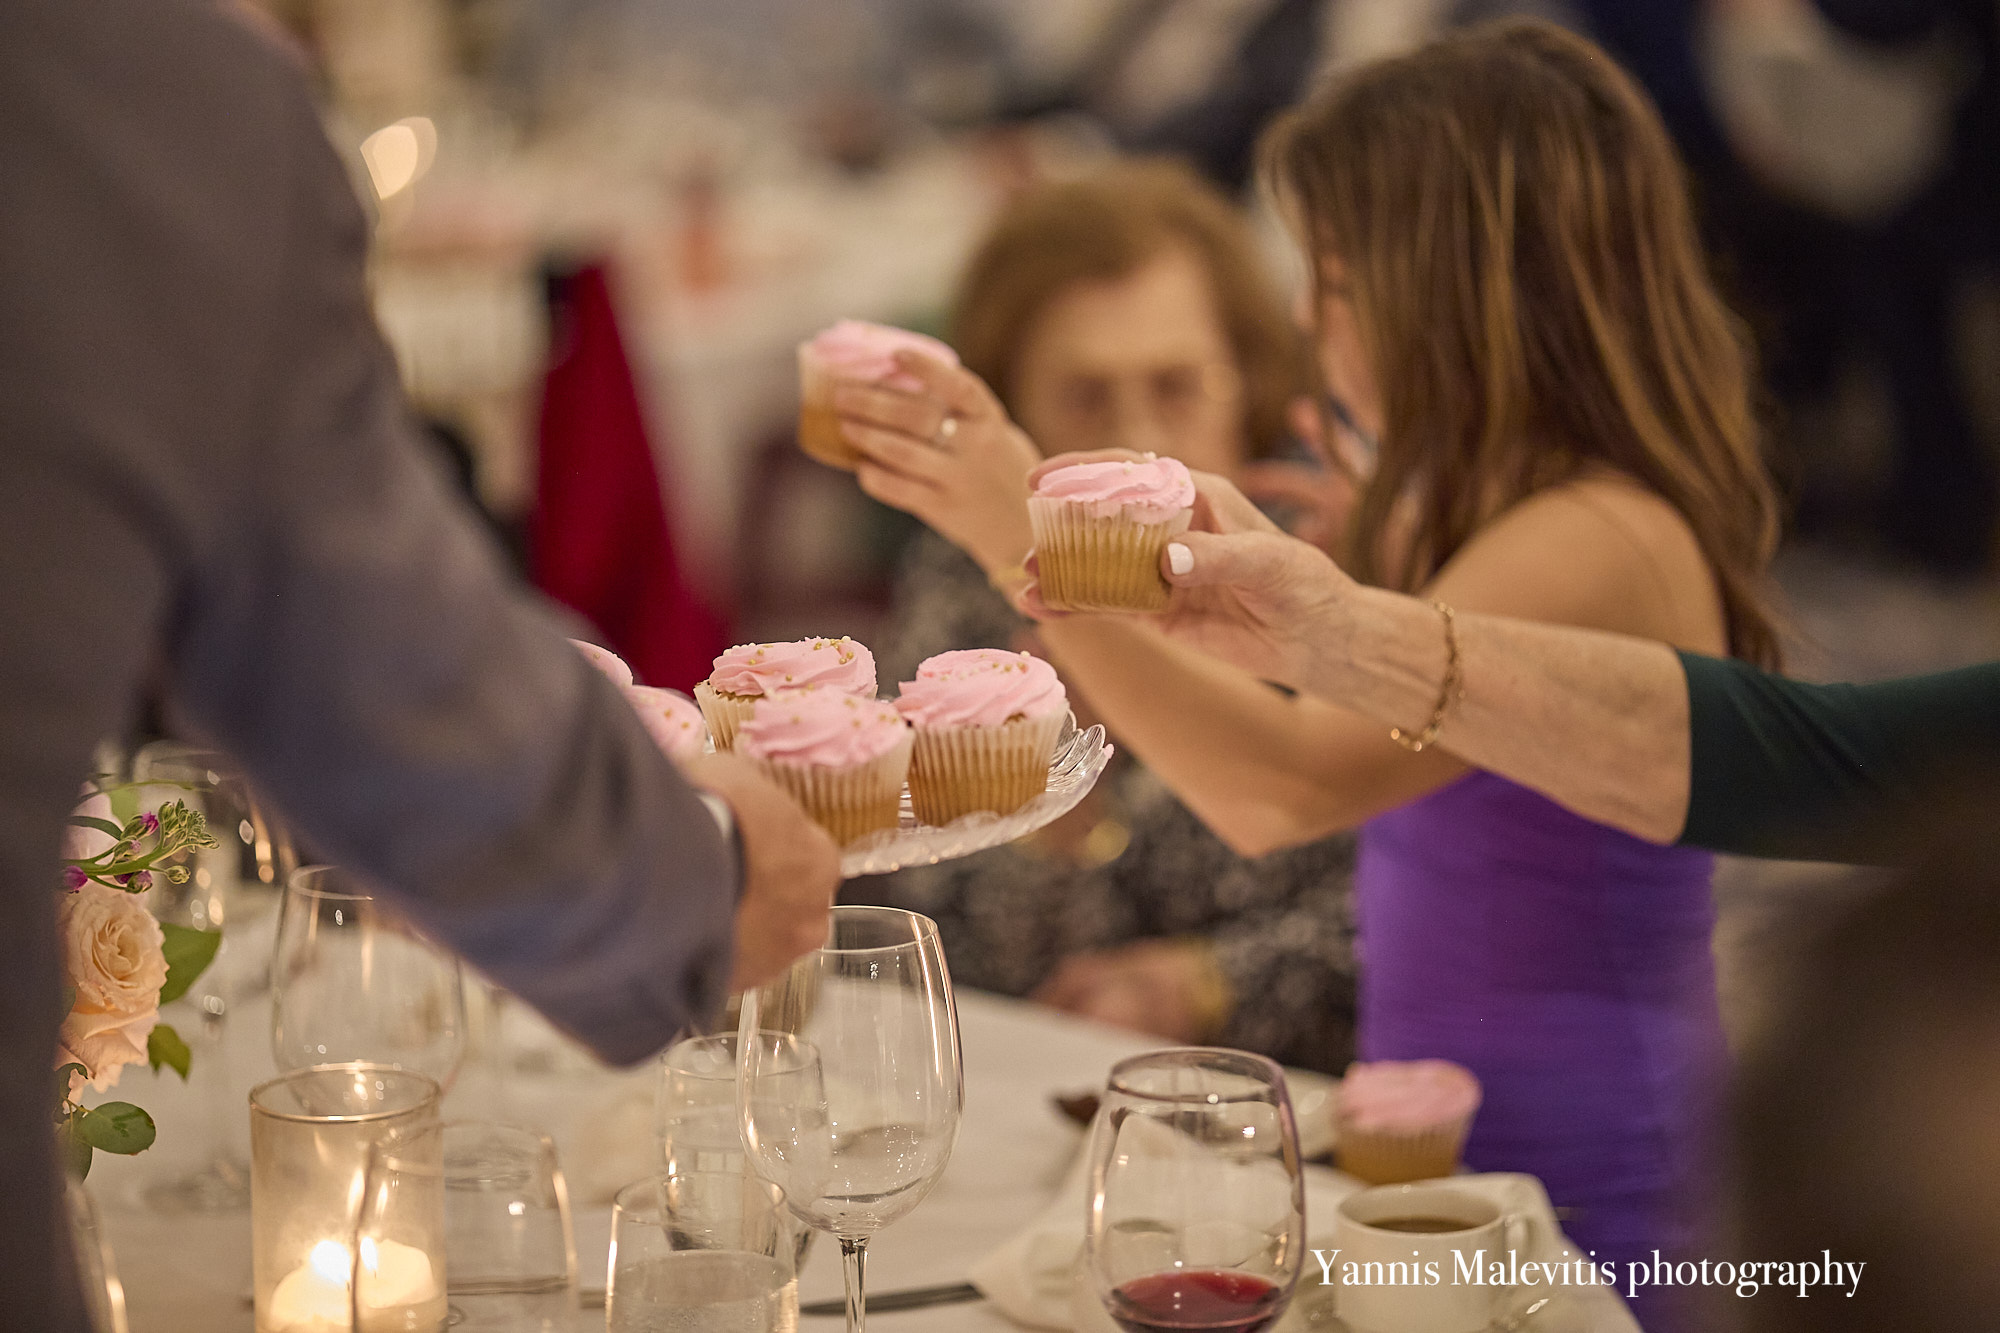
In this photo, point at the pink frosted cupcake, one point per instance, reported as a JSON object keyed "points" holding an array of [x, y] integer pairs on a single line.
{"points": [[842, 758], [671, 719], [963, 659], [748, 672], [1402, 1120], [1099, 529], [857, 352], [986, 724], [610, 663]]}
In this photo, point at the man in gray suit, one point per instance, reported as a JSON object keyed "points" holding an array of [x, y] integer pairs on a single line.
{"points": [[210, 488]]}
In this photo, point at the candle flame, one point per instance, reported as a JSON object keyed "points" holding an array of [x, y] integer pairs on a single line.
{"points": [[331, 1262]]}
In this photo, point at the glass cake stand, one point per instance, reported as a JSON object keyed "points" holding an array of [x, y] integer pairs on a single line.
{"points": [[1081, 755]]}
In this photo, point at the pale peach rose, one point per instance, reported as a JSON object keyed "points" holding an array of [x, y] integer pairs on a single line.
{"points": [[112, 954]]}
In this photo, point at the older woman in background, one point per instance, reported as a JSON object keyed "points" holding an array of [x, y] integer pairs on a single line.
{"points": [[1128, 309]]}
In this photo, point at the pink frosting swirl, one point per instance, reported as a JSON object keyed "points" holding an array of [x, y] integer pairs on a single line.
{"points": [[962, 659], [856, 350], [980, 693], [671, 719], [766, 668], [1407, 1094], [1151, 491], [822, 728], [610, 663]]}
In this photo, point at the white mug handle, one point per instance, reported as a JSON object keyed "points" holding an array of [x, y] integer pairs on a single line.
{"points": [[1518, 1232]]}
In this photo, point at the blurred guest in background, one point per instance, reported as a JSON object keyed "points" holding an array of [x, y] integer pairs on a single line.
{"points": [[1865, 1118], [1563, 411], [1128, 308]]}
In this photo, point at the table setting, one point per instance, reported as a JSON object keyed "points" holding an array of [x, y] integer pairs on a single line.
{"points": [[422, 1154]]}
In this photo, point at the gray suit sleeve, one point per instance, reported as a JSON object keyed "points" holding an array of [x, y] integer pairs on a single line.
{"points": [[354, 641]]}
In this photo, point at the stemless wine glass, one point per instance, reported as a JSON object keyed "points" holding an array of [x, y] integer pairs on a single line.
{"points": [[510, 1248], [352, 981], [694, 1110], [708, 1250], [860, 1099], [1197, 1208]]}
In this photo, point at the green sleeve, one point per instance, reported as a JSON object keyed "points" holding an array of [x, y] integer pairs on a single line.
{"points": [[1830, 772]]}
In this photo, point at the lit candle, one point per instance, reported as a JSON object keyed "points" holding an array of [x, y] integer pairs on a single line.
{"points": [[313, 1298]]}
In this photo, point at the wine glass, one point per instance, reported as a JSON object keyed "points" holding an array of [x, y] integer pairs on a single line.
{"points": [[232, 887], [352, 981], [1197, 1208], [701, 1250], [853, 1058]]}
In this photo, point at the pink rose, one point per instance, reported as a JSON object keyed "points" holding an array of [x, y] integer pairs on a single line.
{"points": [[112, 954]]}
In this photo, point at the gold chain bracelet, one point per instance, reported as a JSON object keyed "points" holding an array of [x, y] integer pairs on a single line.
{"points": [[1447, 692]]}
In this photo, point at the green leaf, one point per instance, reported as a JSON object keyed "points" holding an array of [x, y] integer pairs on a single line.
{"points": [[75, 1152], [69, 1000], [115, 1127], [62, 1079], [165, 1047], [189, 952], [104, 826]]}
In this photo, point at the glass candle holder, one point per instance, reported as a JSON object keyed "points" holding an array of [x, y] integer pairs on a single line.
{"points": [[311, 1132]]}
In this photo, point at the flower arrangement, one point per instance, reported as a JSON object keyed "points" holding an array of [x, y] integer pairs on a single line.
{"points": [[120, 964]]}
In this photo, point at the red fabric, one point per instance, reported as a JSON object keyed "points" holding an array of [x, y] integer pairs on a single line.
{"points": [[601, 542]]}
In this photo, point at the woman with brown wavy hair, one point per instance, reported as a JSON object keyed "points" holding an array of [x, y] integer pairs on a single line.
{"points": [[1510, 299]]}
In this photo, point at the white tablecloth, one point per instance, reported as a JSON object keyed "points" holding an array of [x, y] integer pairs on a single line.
{"points": [[191, 1274]]}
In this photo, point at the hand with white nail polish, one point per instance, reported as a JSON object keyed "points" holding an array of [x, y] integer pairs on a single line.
{"points": [[1247, 593]]}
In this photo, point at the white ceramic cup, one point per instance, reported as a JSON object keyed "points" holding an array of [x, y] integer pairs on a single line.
{"points": [[1416, 1281]]}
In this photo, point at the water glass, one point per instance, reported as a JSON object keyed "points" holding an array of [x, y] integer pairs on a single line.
{"points": [[352, 981], [701, 1252], [695, 1109], [1197, 1206], [510, 1250]]}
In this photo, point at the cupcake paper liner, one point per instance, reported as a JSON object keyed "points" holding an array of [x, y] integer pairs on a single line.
{"points": [[724, 712], [1089, 563], [819, 427], [848, 803], [1395, 1156], [957, 771]]}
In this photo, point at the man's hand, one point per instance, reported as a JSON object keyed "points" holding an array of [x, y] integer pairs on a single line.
{"points": [[790, 869]]}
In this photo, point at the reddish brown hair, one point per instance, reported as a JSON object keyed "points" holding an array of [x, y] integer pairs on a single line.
{"points": [[1108, 226]]}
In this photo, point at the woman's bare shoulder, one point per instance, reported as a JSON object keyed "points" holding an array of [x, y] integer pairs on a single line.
{"points": [[1600, 551]]}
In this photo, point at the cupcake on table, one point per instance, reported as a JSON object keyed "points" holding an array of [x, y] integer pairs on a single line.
{"points": [[1403, 1120], [854, 352], [986, 724], [1099, 529], [750, 671], [842, 758]]}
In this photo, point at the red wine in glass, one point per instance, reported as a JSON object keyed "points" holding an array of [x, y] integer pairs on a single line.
{"points": [[1213, 1300]]}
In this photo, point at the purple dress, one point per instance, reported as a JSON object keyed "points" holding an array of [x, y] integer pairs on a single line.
{"points": [[1568, 966]]}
